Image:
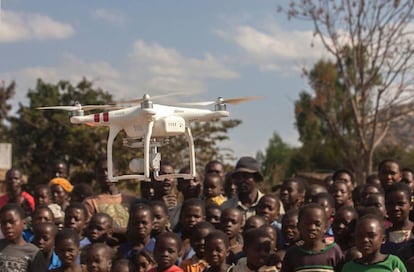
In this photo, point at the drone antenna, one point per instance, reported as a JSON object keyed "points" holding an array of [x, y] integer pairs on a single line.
{"points": [[146, 103]]}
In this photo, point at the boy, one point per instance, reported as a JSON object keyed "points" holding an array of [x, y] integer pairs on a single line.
{"points": [[44, 239], [217, 249], [258, 247], [76, 219], [369, 236], [15, 253], [231, 223], [167, 250], [67, 249], [98, 258], [213, 189], [196, 263], [314, 254], [99, 229]]}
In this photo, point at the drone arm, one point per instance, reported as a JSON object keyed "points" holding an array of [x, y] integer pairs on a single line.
{"points": [[113, 131]]}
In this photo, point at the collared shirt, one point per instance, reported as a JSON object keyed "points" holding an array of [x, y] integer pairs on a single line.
{"points": [[55, 262], [246, 211]]}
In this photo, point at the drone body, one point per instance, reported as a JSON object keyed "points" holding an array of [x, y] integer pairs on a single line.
{"points": [[147, 125]]}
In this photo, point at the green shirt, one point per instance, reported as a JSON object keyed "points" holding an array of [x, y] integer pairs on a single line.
{"points": [[390, 264]]}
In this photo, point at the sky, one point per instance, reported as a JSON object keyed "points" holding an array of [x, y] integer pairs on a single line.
{"points": [[202, 49]]}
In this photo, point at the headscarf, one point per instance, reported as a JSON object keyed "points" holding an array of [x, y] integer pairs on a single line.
{"points": [[66, 185]]}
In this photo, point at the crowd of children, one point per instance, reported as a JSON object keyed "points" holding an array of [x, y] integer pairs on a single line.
{"points": [[218, 223]]}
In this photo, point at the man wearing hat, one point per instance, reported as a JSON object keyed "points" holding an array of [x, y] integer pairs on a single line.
{"points": [[246, 175]]}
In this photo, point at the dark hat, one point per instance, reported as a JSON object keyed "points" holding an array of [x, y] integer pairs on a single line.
{"points": [[249, 165]]}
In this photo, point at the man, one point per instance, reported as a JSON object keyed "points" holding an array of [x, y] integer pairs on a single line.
{"points": [[111, 201], [246, 175], [15, 193]]}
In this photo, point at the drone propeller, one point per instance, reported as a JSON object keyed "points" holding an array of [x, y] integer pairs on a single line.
{"points": [[220, 100], [147, 97], [79, 107]]}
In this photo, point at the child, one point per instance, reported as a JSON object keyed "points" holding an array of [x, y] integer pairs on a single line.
{"points": [[167, 250], [292, 193], [76, 217], [231, 223], [290, 231], [268, 207], [328, 203], [161, 221], [254, 222], [15, 253], [42, 195], [341, 193], [41, 214], [213, 189], [44, 239], [213, 214], [143, 260], [67, 249], [314, 254], [217, 249], [389, 172], [98, 258], [398, 205], [369, 236], [343, 227], [377, 201], [257, 247], [192, 212], [99, 229], [196, 263], [138, 231]]}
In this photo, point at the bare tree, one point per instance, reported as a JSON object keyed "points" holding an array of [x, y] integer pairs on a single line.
{"points": [[371, 42]]}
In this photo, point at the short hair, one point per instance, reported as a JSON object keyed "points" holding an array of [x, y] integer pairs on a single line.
{"points": [[67, 234], [363, 211], [338, 172], [140, 206], [374, 217], [218, 234], [214, 176], [290, 214], [42, 187], [103, 215], [13, 207], [161, 204], [203, 225], [45, 225], [169, 235], [370, 179], [192, 202], [251, 218], [272, 196], [121, 263], [324, 196], [384, 162], [97, 246], [399, 187], [250, 236], [407, 169], [78, 206], [212, 162], [45, 208], [311, 206], [376, 186], [302, 184], [83, 190], [144, 253]]}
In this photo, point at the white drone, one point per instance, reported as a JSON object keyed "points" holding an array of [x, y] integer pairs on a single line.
{"points": [[147, 126]]}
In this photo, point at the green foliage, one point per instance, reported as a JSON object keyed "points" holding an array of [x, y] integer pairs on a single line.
{"points": [[6, 93], [40, 137]]}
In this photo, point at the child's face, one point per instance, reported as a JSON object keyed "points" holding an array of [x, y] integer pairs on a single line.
{"points": [[190, 187], [312, 225], [67, 251], [12, 225], [75, 219], [160, 221], [231, 222], [213, 216], [268, 208], [198, 242], [230, 187], [212, 187], [99, 260], [376, 201], [367, 191], [44, 239], [191, 216], [398, 206], [389, 174], [368, 237], [340, 192], [42, 197], [42, 216], [141, 224], [345, 177], [216, 252], [99, 229], [289, 194], [324, 203], [290, 229], [343, 225], [143, 264], [258, 252], [166, 253]]}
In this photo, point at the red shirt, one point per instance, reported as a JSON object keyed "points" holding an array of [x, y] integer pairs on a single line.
{"points": [[4, 199], [173, 268]]}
